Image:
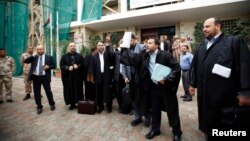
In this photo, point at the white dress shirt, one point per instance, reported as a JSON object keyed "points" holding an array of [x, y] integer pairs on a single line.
{"points": [[162, 46], [211, 41], [37, 66], [152, 62], [101, 62]]}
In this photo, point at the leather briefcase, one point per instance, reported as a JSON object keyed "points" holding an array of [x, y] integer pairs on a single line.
{"points": [[86, 107]]}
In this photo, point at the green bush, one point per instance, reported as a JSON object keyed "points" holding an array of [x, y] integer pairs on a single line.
{"points": [[94, 39], [84, 51], [198, 35]]}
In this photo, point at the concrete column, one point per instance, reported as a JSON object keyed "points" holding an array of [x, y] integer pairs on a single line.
{"points": [[79, 9], [123, 5]]}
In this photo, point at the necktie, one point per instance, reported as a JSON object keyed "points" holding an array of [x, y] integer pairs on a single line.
{"points": [[40, 67]]}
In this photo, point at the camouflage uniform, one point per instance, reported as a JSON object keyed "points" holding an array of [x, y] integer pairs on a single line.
{"points": [[7, 67], [26, 69]]}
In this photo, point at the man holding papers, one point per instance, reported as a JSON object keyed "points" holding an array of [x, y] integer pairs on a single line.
{"points": [[162, 88], [140, 96]]}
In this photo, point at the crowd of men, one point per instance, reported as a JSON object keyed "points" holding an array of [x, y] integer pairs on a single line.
{"points": [[108, 73]]}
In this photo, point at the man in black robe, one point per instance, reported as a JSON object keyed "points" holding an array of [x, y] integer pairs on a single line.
{"points": [[71, 65], [219, 88], [163, 92], [100, 67], [88, 76]]}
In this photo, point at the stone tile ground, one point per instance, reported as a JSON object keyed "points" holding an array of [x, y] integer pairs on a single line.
{"points": [[19, 121]]}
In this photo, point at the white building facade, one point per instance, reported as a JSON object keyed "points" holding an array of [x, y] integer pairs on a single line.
{"points": [[147, 18]]}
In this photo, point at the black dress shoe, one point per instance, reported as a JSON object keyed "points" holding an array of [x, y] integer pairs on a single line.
{"points": [[9, 100], [1, 102], [152, 134], [39, 111], [72, 107], [120, 110], [135, 122], [109, 108], [52, 108], [26, 97], [176, 138], [187, 99], [183, 96], [99, 110]]}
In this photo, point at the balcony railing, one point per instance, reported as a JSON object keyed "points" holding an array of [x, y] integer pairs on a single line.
{"points": [[114, 6]]}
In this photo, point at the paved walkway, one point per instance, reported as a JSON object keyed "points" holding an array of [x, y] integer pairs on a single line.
{"points": [[19, 121]]}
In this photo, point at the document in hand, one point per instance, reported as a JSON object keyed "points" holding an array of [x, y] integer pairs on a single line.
{"points": [[126, 40], [160, 71]]}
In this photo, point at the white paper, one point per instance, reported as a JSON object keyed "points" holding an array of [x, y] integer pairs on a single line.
{"points": [[160, 71], [221, 71], [126, 40]]}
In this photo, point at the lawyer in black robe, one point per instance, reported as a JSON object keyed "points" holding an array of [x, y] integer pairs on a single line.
{"points": [[102, 76], [88, 76], [163, 97], [215, 92], [71, 65]]}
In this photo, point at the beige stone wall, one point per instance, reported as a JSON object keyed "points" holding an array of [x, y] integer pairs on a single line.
{"points": [[81, 36], [187, 29], [177, 29], [182, 28]]}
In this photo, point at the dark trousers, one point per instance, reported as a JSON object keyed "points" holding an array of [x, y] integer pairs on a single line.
{"points": [[119, 85], [89, 90], [139, 100], [100, 95], [185, 83], [156, 112], [38, 81]]}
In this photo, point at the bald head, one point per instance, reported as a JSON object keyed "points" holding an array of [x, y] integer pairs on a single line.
{"points": [[72, 47], [30, 50], [40, 50], [211, 28]]}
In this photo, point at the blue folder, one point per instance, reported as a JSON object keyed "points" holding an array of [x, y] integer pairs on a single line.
{"points": [[160, 71]]}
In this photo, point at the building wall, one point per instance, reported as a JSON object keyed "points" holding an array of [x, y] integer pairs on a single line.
{"points": [[177, 29], [182, 28], [187, 29]]}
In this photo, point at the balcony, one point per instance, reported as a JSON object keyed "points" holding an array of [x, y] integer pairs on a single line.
{"points": [[170, 14]]}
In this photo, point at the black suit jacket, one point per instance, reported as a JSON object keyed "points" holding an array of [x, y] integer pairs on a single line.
{"points": [[95, 68], [166, 46], [34, 59], [167, 91]]}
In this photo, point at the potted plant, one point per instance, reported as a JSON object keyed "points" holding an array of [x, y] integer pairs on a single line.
{"points": [[58, 73]]}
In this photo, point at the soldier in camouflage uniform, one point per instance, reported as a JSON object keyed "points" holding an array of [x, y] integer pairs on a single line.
{"points": [[26, 70], [7, 68]]}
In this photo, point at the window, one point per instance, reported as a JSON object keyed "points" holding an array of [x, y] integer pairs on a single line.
{"points": [[72, 36], [228, 25]]}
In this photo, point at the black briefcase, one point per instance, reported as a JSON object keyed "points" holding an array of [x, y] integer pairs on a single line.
{"points": [[126, 95], [86, 107]]}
